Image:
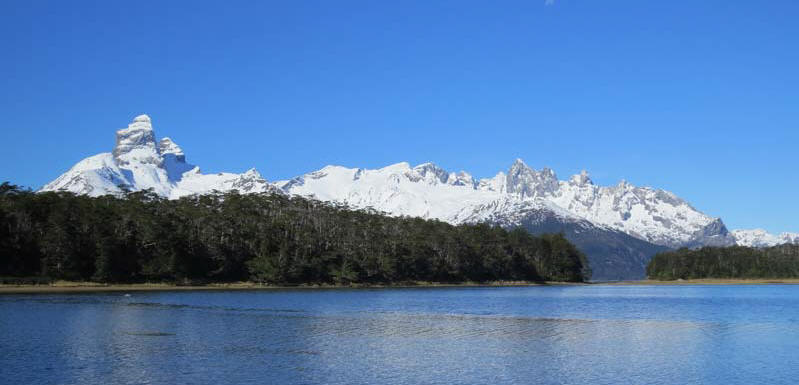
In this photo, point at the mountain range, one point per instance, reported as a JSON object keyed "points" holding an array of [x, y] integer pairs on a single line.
{"points": [[618, 227]]}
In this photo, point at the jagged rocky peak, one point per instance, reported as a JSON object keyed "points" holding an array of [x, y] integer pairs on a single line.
{"points": [[252, 173], [167, 146], [143, 118], [433, 174], [548, 173], [461, 178], [526, 182], [581, 179], [670, 198], [140, 162], [174, 160], [252, 181], [136, 144], [430, 172], [625, 190], [714, 233], [518, 174]]}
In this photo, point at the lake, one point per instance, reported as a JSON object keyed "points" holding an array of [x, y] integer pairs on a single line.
{"points": [[593, 334]]}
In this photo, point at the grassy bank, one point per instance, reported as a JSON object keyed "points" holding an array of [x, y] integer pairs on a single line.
{"points": [[90, 287]]}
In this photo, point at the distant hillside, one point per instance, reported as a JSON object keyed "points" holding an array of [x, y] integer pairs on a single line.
{"points": [[612, 254]]}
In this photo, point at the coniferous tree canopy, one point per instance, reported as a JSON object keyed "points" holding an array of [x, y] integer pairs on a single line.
{"points": [[266, 238], [726, 262]]}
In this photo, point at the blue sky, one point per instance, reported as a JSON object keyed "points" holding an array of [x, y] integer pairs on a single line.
{"points": [[699, 98]]}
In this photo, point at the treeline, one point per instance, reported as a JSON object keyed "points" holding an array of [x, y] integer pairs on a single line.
{"points": [[266, 238], [726, 262]]}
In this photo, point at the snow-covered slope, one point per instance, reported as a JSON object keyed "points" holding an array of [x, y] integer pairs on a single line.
{"points": [[425, 191], [762, 238], [428, 191], [515, 197], [138, 162]]}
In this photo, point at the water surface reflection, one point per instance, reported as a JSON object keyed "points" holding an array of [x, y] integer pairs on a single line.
{"points": [[543, 335]]}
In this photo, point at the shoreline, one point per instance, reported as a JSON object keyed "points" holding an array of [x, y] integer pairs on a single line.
{"points": [[92, 287], [706, 282]]}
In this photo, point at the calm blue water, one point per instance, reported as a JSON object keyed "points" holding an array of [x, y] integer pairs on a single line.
{"points": [[536, 335]]}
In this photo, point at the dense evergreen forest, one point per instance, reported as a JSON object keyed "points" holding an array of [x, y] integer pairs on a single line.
{"points": [[267, 238], [726, 262]]}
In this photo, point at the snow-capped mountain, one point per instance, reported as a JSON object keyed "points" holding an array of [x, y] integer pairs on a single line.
{"points": [[428, 191], [762, 238], [619, 227], [139, 162]]}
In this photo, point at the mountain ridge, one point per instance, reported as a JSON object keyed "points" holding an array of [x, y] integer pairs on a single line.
{"points": [[428, 191], [637, 220]]}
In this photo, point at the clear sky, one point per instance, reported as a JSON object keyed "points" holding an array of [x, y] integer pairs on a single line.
{"points": [[697, 97]]}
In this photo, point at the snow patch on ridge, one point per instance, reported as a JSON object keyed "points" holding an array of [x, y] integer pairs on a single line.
{"points": [[762, 238]]}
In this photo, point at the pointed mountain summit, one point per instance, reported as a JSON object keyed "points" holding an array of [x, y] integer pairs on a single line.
{"points": [[431, 173], [529, 183], [136, 144], [581, 179], [167, 147], [139, 162], [173, 158]]}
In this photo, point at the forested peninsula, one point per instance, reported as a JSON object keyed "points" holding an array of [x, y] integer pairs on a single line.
{"points": [[264, 238], [737, 262]]}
